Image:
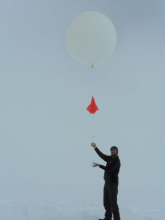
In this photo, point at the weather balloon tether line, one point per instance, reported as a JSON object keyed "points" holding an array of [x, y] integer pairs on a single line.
{"points": [[93, 138], [92, 109]]}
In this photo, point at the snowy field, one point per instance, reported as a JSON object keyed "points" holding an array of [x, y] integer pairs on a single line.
{"points": [[62, 210], [55, 209]]}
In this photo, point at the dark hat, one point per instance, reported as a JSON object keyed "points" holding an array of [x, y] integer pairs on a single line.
{"points": [[114, 148]]}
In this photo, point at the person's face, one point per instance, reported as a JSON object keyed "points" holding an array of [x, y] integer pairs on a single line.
{"points": [[113, 152]]}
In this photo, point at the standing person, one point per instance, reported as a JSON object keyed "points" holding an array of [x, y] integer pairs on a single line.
{"points": [[112, 169]]}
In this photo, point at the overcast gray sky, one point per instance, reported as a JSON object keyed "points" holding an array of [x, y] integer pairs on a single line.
{"points": [[45, 130]]}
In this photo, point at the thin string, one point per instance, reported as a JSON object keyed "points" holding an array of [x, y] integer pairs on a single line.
{"points": [[93, 94]]}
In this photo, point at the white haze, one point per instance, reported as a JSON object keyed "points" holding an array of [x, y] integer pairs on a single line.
{"points": [[45, 130]]}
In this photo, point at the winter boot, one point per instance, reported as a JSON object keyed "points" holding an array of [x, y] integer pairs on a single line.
{"points": [[104, 219]]}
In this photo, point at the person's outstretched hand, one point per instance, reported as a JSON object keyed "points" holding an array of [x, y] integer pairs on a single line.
{"points": [[96, 164], [93, 145]]}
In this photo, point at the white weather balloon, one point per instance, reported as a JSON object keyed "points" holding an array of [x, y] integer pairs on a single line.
{"points": [[91, 38]]}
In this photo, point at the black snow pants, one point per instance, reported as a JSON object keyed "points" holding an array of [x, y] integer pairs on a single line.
{"points": [[110, 201]]}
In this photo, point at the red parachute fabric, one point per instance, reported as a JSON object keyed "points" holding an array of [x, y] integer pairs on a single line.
{"points": [[92, 108]]}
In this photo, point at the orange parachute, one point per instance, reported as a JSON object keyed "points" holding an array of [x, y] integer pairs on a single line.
{"points": [[92, 108]]}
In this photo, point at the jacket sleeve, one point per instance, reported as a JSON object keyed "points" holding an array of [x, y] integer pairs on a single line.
{"points": [[103, 156], [113, 166]]}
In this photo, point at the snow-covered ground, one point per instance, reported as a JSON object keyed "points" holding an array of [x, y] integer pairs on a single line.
{"points": [[54, 209]]}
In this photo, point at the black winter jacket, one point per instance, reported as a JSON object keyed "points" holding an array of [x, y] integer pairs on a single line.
{"points": [[112, 167]]}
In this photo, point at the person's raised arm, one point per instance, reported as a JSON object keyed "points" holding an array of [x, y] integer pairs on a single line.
{"points": [[103, 156]]}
